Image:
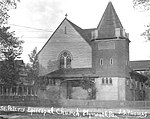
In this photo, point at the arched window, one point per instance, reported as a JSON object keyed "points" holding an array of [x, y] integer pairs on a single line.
{"points": [[65, 60], [110, 81], [101, 61], [111, 61], [103, 81], [62, 62], [106, 80], [68, 62]]}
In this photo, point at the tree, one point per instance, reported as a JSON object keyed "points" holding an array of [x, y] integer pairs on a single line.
{"points": [[10, 45], [144, 5], [10, 50], [32, 67], [5, 6]]}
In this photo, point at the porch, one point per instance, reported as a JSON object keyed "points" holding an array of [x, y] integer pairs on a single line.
{"points": [[73, 83]]}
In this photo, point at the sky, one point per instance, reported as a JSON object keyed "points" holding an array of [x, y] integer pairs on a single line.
{"points": [[34, 21]]}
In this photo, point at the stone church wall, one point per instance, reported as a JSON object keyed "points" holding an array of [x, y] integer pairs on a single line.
{"points": [[65, 38], [107, 91]]}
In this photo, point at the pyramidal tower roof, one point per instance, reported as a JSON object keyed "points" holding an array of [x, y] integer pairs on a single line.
{"points": [[109, 22]]}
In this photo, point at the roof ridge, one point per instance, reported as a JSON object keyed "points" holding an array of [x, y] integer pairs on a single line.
{"points": [[139, 60], [81, 31], [90, 29], [73, 24]]}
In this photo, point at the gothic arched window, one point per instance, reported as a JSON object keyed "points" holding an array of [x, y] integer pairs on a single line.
{"points": [[65, 60]]}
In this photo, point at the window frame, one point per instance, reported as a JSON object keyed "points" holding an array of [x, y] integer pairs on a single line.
{"points": [[65, 59], [107, 81], [111, 61], [101, 61]]}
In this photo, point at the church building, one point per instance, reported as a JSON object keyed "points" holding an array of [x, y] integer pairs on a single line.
{"points": [[91, 64]]}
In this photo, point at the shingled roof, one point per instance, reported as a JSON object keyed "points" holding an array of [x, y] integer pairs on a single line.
{"points": [[81, 31], [72, 73], [108, 23], [106, 27], [140, 65]]}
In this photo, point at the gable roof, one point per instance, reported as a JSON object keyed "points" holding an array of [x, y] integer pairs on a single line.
{"points": [[108, 22], [140, 65], [106, 27], [81, 31], [72, 73], [50, 37]]}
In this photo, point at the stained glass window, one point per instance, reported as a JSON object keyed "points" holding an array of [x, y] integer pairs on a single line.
{"points": [[65, 60]]}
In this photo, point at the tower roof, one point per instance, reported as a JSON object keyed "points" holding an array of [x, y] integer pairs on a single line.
{"points": [[109, 22]]}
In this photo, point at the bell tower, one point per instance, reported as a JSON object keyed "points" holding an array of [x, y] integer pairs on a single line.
{"points": [[110, 56]]}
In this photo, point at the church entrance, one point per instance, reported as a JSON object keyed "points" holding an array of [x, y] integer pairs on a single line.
{"points": [[79, 88]]}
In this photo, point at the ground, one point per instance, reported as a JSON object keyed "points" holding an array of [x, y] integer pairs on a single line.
{"points": [[39, 116]]}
